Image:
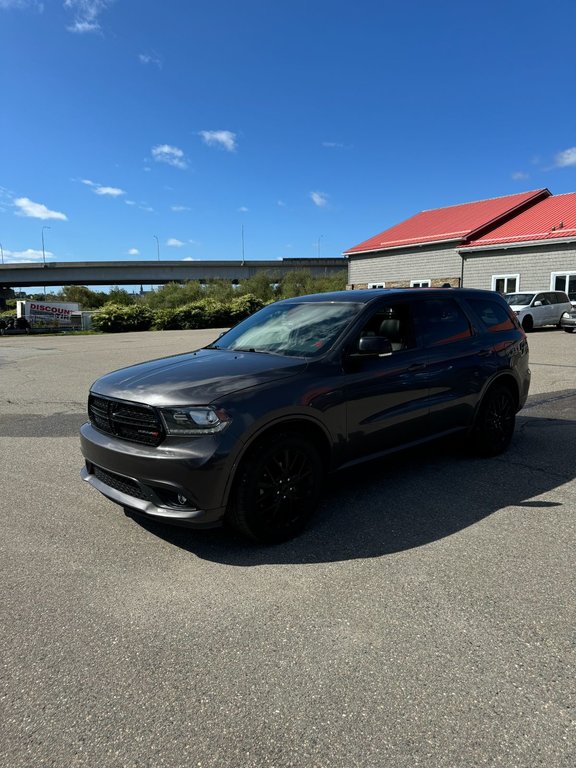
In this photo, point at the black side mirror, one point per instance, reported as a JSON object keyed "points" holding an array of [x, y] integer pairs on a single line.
{"points": [[374, 345]]}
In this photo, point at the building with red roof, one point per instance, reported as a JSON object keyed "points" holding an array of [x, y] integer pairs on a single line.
{"points": [[516, 242]]}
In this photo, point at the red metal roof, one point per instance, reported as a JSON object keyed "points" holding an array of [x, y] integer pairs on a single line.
{"points": [[550, 219], [457, 222]]}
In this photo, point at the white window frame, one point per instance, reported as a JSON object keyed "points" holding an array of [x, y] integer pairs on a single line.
{"points": [[507, 277], [566, 274], [424, 283], [380, 284]]}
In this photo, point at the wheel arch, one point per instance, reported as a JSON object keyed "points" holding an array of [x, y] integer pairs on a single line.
{"points": [[505, 379], [299, 425]]}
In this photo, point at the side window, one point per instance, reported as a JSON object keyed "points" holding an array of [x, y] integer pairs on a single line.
{"points": [[494, 316], [442, 321], [393, 322], [541, 297]]}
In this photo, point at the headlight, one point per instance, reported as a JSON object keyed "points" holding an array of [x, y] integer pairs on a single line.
{"points": [[194, 420]]}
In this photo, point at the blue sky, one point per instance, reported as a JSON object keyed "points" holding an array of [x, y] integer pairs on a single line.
{"points": [[130, 126]]}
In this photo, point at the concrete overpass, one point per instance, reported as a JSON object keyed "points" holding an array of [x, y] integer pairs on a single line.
{"points": [[155, 272]]}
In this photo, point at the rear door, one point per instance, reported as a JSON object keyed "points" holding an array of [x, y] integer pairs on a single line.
{"points": [[456, 362]]}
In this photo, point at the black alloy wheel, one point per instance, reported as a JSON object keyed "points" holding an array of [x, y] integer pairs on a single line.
{"points": [[278, 486], [495, 422]]}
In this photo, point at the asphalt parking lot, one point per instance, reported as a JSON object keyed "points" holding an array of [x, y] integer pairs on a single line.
{"points": [[427, 617]]}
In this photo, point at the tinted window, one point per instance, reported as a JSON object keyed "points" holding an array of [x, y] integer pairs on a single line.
{"points": [[394, 323], [442, 321], [494, 316]]}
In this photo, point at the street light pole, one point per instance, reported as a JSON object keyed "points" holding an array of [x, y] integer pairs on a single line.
{"points": [[44, 253], [157, 246], [318, 245], [2, 252]]}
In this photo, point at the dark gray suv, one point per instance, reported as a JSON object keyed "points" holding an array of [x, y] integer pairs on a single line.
{"points": [[245, 430]]}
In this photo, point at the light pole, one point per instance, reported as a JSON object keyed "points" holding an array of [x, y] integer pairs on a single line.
{"points": [[318, 245], [2, 252], [44, 254], [43, 251], [157, 246]]}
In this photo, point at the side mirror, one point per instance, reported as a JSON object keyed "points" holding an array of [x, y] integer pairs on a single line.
{"points": [[537, 304], [374, 345]]}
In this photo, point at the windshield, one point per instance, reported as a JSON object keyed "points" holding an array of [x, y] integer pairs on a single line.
{"points": [[305, 329], [518, 298]]}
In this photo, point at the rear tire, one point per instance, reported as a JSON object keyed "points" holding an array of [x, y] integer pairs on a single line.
{"points": [[569, 330], [278, 486], [495, 422]]}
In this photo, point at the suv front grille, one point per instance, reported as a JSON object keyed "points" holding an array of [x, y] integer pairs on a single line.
{"points": [[131, 421]]}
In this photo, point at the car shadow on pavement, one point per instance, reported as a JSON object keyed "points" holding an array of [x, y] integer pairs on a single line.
{"points": [[416, 497]]}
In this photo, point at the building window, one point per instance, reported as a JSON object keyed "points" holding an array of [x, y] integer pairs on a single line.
{"points": [[377, 285], [564, 281], [419, 283], [505, 283]]}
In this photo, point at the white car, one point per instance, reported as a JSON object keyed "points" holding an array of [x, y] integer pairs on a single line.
{"points": [[537, 308]]}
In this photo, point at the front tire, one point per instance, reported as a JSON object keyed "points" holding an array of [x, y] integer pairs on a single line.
{"points": [[528, 324], [495, 422], [277, 488], [569, 330]]}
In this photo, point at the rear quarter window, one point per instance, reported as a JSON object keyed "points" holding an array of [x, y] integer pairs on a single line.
{"points": [[493, 315]]}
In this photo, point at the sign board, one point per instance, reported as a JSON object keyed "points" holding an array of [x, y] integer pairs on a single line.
{"points": [[46, 314]]}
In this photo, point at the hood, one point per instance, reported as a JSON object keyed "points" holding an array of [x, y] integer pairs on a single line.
{"points": [[195, 378], [518, 307]]}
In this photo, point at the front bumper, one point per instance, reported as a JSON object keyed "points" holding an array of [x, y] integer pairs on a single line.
{"points": [[183, 483]]}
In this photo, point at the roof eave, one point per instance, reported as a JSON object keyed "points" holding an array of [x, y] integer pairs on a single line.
{"points": [[517, 244], [400, 247]]}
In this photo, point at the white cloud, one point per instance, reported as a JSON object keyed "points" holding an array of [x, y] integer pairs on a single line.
{"points": [[29, 255], [520, 176], [109, 191], [150, 58], [188, 258], [134, 252], [319, 199], [565, 158], [86, 13], [130, 202], [99, 189], [332, 144], [243, 209], [180, 208], [165, 153], [36, 210], [36, 5], [173, 242], [281, 204], [222, 139]]}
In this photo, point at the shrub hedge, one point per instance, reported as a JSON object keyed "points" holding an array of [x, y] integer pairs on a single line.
{"points": [[204, 313]]}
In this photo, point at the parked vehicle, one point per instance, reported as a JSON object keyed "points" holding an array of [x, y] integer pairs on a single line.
{"points": [[568, 321], [535, 309], [245, 430]]}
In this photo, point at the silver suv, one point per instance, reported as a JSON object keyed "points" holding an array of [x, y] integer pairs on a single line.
{"points": [[537, 308]]}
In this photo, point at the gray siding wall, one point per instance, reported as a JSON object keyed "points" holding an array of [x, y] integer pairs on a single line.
{"points": [[535, 265], [429, 262]]}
